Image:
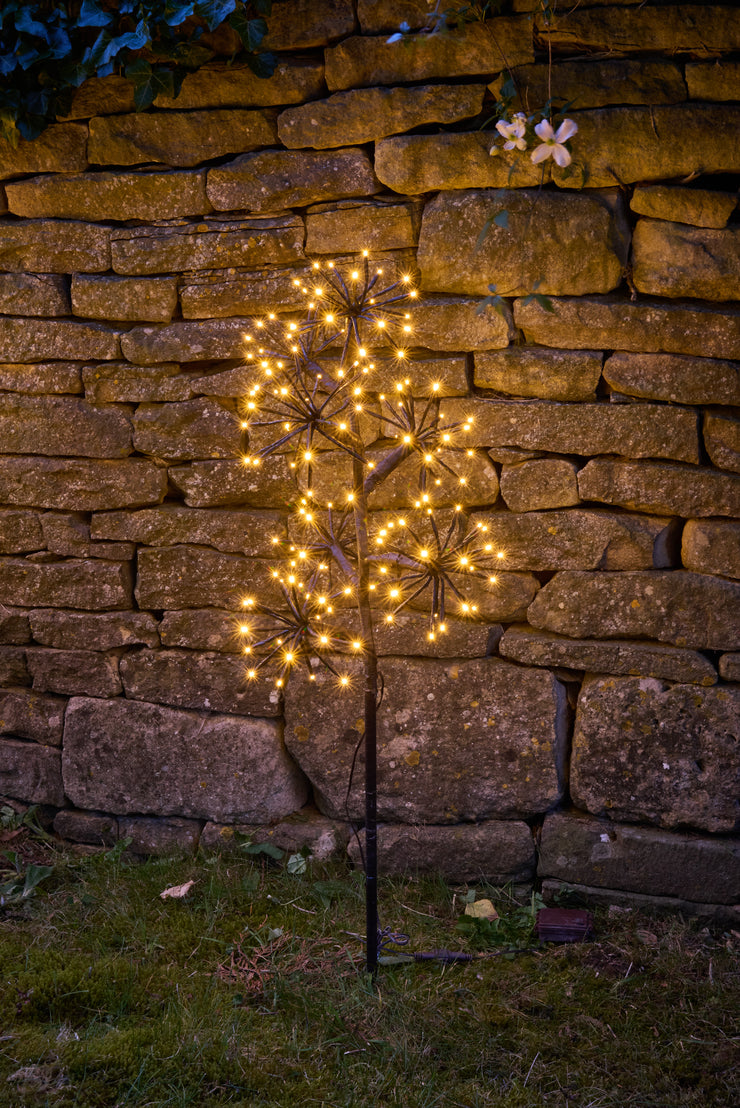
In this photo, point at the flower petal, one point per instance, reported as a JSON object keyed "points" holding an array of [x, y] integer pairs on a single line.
{"points": [[544, 131], [566, 130], [503, 128], [541, 153], [560, 154]]}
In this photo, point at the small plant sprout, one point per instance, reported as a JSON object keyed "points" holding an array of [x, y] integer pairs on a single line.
{"points": [[323, 393]]}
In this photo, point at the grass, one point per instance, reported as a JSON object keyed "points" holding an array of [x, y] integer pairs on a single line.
{"points": [[250, 991]]}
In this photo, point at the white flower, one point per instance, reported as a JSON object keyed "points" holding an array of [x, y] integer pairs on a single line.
{"points": [[394, 38], [513, 132], [552, 142], [403, 30]]}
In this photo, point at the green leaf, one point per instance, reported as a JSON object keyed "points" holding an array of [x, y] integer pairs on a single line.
{"points": [[262, 65], [34, 876], [214, 12], [25, 22], [177, 11], [297, 864], [92, 15], [538, 298], [269, 849], [250, 31], [502, 219], [149, 82]]}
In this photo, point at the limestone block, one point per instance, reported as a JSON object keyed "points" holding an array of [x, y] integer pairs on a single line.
{"points": [[14, 627], [719, 915], [671, 259], [729, 667], [234, 85], [718, 79], [31, 772], [214, 682], [366, 115], [53, 247], [56, 339], [60, 148], [202, 428], [617, 146], [78, 631], [677, 378], [42, 377], [540, 648], [228, 292], [124, 298], [449, 373], [455, 323], [185, 342], [423, 163], [31, 715], [273, 179], [211, 243], [74, 672], [596, 83], [191, 577], [114, 382], [409, 635], [472, 50], [308, 828], [20, 531], [13, 669], [237, 531], [305, 23], [699, 29], [681, 608], [646, 752], [700, 207], [81, 484], [76, 583], [497, 851], [86, 827], [211, 484], [457, 741], [232, 383], [638, 430], [561, 246], [33, 294], [603, 853], [62, 426], [201, 629], [647, 326], [128, 757], [538, 372], [722, 440], [540, 483], [178, 138], [163, 837], [712, 546], [100, 96], [361, 226], [577, 539], [110, 195], [67, 534], [657, 487], [383, 15]]}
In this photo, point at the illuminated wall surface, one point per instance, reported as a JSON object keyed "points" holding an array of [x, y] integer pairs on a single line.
{"points": [[586, 729]]}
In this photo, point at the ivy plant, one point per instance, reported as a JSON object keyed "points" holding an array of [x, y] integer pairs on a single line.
{"points": [[49, 47]]}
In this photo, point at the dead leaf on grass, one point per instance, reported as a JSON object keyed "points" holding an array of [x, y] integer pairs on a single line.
{"points": [[177, 892], [481, 909]]}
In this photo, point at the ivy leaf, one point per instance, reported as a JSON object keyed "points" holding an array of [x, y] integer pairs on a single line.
{"points": [[176, 12], [149, 82], [502, 219], [262, 65], [92, 15], [539, 298], [8, 62], [25, 23], [250, 31], [214, 12], [59, 42]]}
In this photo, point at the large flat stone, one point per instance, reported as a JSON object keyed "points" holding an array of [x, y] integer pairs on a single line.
{"points": [[110, 195], [539, 373], [646, 752], [126, 757], [565, 245], [161, 836], [722, 440], [31, 772], [55, 338], [92, 630], [718, 915], [646, 326], [364, 116], [31, 715], [577, 538], [41, 378], [658, 487], [712, 546], [540, 648], [540, 483], [699, 29], [685, 609], [74, 583], [596, 83], [671, 259], [60, 148], [323, 837], [461, 323], [700, 207], [185, 341], [718, 79], [83, 485], [458, 160], [14, 626], [33, 294], [86, 827], [305, 23], [639, 859], [456, 741], [191, 679], [475, 49], [361, 226], [234, 85], [229, 292], [211, 243], [191, 577], [13, 669], [637, 430], [211, 484], [235, 531], [112, 382], [677, 378], [62, 426], [152, 299], [188, 429], [201, 629], [53, 246], [74, 672], [178, 138], [498, 851], [20, 531], [273, 179]]}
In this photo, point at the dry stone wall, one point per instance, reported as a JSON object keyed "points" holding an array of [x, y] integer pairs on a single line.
{"points": [[587, 729]]}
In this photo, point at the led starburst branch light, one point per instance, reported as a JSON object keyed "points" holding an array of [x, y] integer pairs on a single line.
{"points": [[318, 385]]}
